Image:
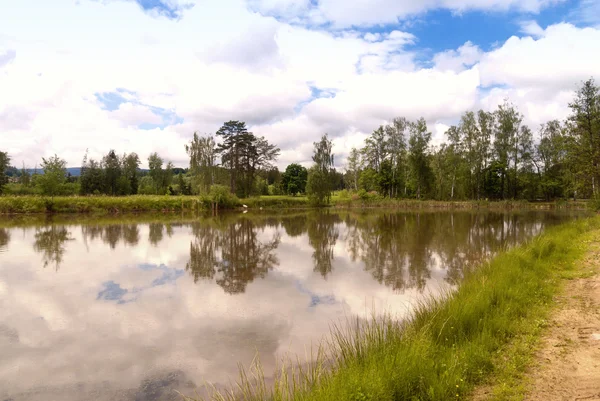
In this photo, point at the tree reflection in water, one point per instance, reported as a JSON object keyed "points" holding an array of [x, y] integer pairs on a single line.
{"points": [[51, 243], [232, 254], [322, 236], [401, 249], [4, 239]]}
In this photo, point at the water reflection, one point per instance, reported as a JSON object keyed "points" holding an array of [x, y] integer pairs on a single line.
{"points": [[233, 252], [4, 239], [140, 309], [322, 236], [50, 242]]}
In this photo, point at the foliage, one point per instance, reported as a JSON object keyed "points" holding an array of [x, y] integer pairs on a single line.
{"points": [[320, 183], [220, 196], [54, 177], [294, 179], [244, 154], [4, 164], [202, 153]]}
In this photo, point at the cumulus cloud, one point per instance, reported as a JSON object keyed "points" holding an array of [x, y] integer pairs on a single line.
{"points": [[131, 114], [532, 28], [457, 60], [558, 60], [375, 12], [289, 82]]}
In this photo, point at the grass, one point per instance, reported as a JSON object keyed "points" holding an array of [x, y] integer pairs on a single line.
{"points": [[105, 204], [484, 332], [10, 204]]}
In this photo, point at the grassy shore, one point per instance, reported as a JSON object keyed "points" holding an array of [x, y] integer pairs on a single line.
{"points": [[484, 332], [151, 203]]}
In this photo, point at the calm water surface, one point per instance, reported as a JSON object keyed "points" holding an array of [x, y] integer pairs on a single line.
{"points": [[131, 308]]}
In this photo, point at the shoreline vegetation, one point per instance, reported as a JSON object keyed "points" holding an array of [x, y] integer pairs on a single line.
{"points": [[483, 333], [31, 204]]}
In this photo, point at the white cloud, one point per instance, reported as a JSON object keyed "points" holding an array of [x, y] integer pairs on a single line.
{"points": [[375, 12], [457, 60], [222, 62], [132, 114], [532, 28]]}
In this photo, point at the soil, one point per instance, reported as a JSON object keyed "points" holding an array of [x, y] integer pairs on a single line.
{"points": [[567, 365]]}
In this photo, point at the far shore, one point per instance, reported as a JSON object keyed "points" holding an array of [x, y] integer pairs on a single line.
{"points": [[164, 204]]}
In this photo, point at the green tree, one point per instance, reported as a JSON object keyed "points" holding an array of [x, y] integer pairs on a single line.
{"points": [[54, 177], [161, 178], [585, 129], [294, 179], [396, 141], [91, 178], [353, 168], [202, 152], [112, 173], [4, 164], [184, 187], [130, 166], [244, 154], [319, 182], [550, 160], [506, 144], [25, 178], [418, 158]]}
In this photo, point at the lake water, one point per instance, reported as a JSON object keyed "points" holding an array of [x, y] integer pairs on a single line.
{"points": [[131, 308]]}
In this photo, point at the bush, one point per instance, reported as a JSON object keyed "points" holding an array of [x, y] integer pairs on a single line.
{"points": [[220, 195]]}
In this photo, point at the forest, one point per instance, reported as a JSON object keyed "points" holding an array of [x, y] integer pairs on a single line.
{"points": [[487, 155]]}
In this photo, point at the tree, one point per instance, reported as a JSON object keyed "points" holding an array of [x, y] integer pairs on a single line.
{"points": [[454, 153], [25, 178], [184, 188], [92, 177], [202, 152], [396, 142], [550, 160], [376, 149], [319, 183], [243, 154], [130, 165], [506, 144], [54, 177], [4, 164], [585, 128], [161, 178], [353, 169], [112, 172], [417, 156], [294, 179]]}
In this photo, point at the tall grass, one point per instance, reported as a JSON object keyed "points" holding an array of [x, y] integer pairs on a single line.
{"points": [[220, 195], [448, 345]]}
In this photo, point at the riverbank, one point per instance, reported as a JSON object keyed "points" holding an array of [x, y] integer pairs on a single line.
{"points": [[482, 333], [163, 204], [567, 364]]}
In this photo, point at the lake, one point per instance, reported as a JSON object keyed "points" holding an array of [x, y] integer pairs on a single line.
{"points": [[133, 307]]}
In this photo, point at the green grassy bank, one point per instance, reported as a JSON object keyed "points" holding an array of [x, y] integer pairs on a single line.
{"points": [[154, 203], [484, 332]]}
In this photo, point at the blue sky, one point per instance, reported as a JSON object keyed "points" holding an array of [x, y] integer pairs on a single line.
{"points": [[291, 69]]}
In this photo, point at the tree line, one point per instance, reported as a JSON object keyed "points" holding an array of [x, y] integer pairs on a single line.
{"points": [[490, 155], [487, 155]]}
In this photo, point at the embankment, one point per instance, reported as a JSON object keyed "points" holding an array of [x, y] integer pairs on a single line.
{"points": [[162, 204]]}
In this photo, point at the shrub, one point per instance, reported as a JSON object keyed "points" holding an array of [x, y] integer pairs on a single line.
{"points": [[220, 195]]}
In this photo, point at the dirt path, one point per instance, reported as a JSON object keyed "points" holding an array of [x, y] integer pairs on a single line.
{"points": [[568, 363]]}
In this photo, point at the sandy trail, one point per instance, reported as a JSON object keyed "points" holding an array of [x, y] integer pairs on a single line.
{"points": [[567, 366]]}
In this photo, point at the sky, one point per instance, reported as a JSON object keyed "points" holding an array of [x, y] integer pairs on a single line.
{"points": [[144, 75]]}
